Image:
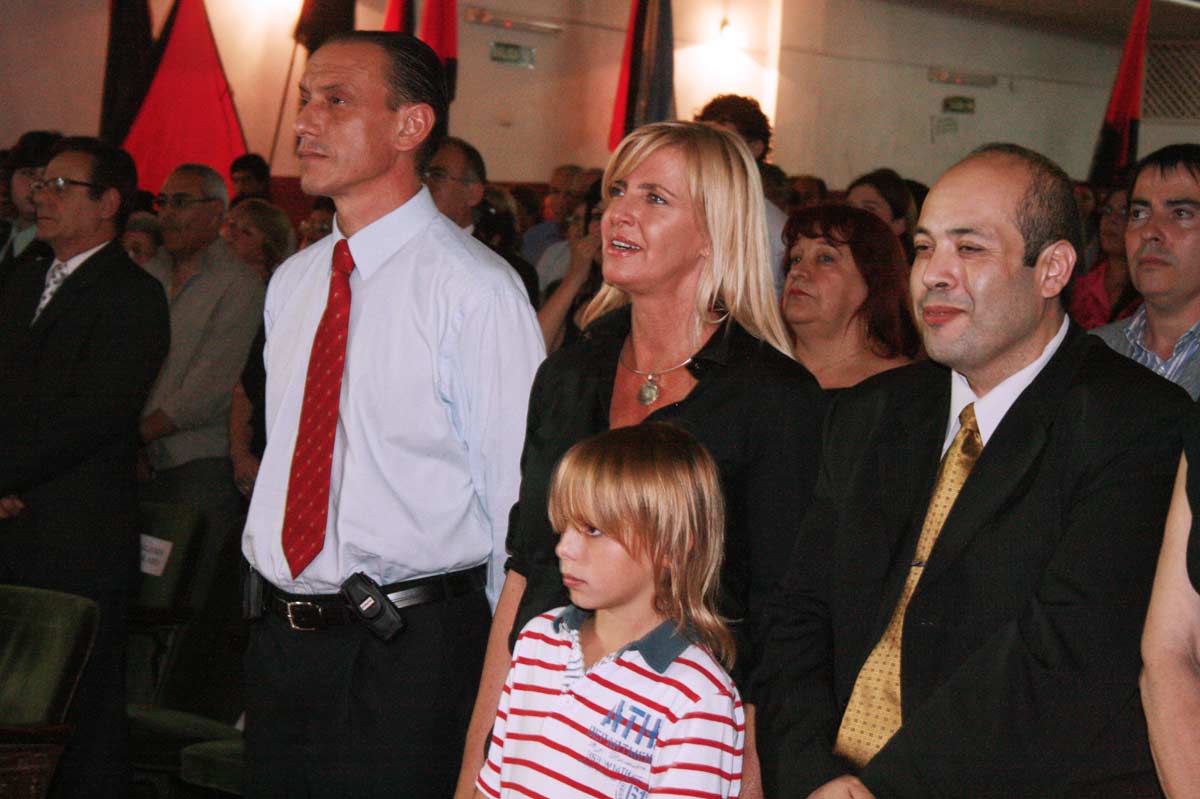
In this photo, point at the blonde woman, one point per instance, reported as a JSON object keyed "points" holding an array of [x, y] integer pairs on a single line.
{"points": [[685, 329]]}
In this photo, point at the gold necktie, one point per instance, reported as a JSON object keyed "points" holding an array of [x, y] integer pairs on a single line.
{"points": [[873, 713]]}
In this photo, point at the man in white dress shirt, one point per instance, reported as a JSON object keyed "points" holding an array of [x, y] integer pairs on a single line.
{"points": [[400, 466]]}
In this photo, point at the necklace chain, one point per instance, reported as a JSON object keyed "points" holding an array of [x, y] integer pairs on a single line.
{"points": [[648, 392]]}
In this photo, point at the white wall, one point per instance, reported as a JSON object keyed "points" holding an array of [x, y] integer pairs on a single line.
{"points": [[844, 80], [854, 91], [51, 65]]}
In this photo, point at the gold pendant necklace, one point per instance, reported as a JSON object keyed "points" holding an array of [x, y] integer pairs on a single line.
{"points": [[649, 391]]}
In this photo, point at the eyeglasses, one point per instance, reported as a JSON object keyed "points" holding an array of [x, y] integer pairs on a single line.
{"points": [[178, 201], [438, 175], [59, 185]]}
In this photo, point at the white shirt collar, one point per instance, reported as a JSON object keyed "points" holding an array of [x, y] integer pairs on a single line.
{"points": [[380, 240], [75, 261], [991, 408]]}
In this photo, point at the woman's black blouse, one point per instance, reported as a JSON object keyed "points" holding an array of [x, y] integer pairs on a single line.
{"points": [[759, 414]]}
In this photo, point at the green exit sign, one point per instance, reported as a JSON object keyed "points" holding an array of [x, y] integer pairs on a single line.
{"points": [[515, 54], [958, 105]]}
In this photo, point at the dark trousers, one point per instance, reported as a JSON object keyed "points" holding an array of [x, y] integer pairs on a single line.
{"points": [[338, 712], [95, 762]]}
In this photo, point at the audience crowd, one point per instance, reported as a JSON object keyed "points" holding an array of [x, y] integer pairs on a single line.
{"points": [[936, 501]]}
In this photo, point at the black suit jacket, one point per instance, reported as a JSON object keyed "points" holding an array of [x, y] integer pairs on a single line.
{"points": [[10, 264], [72, 387], [1020, 652]]}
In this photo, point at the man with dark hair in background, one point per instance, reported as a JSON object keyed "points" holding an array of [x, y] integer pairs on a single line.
{"points": [[745, 117], [25, 163], [807, 190], [82, 334], [457, 178], [251, 177], [964, 606], [400, 352], [1162, 242]]}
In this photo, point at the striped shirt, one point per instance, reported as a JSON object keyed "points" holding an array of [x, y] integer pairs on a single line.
{"points": [[659, 717], [1181, 368]]}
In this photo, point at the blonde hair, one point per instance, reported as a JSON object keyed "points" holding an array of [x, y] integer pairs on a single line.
{"points": [[279, 237], [738, 280], [657, 491]]}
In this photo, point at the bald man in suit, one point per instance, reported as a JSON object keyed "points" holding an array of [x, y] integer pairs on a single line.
{"points": [[963, 610]]}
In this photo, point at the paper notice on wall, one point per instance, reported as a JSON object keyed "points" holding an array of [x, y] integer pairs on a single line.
{"points": [[155, 554], [941, 126]]}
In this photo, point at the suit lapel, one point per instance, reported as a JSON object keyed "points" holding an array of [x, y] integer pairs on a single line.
{"points": [[1008, 464], [77, 284], [27, 288], [909, 455], [908, 461]]}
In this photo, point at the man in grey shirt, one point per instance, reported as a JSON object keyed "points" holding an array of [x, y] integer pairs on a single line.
{"points": [[1162, 241], [216, 306]]}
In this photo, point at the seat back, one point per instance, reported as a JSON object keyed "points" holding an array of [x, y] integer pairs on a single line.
{"points": [[45, 640], [172, 536]]}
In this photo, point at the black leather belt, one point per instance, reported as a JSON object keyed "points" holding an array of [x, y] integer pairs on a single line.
{"points": [[308, 612]]}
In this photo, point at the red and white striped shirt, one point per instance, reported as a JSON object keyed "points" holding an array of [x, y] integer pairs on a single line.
{"points": [[657, 718]]}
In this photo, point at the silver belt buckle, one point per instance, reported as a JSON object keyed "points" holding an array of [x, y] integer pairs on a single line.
{"points": [[291, 615]]}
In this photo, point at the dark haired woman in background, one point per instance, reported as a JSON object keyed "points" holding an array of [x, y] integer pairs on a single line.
{"points": [[884, 193], [845, 301]]}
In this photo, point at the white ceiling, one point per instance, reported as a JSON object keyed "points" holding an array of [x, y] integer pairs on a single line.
{"points": [[1106, 20]]}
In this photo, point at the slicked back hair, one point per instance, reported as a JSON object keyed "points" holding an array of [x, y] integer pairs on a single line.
{"points": [[1047, 211], [415, 75], [111, 168]]}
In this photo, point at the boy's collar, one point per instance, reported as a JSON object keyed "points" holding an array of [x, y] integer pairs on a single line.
{"points": [[658, 648]]}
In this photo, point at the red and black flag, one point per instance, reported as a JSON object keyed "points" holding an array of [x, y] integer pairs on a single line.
{"points": [[439, 30], [399, 16], [646, 91], [129, 67], [188, 115], [1117, 147], [320, 19]]}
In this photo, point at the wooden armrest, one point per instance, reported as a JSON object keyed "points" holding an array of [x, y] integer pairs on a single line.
{"points": [[26, 734]]}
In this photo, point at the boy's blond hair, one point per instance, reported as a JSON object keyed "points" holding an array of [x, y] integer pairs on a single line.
{"points": [[657, 491]]}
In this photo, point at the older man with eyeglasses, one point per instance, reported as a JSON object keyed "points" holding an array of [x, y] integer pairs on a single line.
{"points": [[83, 331], [216, 306]]}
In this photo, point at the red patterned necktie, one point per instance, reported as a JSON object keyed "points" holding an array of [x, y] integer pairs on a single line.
{"points": [[307, 506]]}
